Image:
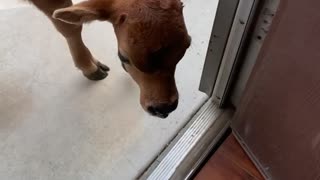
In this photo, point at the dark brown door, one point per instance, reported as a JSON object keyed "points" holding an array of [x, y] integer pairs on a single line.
{"points": [[278, 118]]}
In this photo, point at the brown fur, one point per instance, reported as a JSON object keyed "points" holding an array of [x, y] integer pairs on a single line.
{"points": [[150, 33]]}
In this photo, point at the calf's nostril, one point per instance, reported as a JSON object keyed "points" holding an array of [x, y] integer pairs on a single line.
{"points": [[162, 110], [168, 108], [174, 105], [151, 110]]}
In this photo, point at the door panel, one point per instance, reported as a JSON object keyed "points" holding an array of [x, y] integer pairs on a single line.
{"points": [[278, 118]]}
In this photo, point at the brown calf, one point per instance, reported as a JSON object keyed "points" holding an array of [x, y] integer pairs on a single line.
{"points": [[152, 38]]}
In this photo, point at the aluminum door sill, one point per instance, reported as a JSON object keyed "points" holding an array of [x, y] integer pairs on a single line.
{"points": [[182, 156]]}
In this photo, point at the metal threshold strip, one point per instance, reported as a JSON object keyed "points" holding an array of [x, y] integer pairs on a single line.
{"points": [[180, 159]]}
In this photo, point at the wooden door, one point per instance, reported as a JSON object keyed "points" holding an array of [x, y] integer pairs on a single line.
{"points": [[278, 118]]}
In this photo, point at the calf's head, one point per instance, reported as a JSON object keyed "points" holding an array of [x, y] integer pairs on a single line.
{"points": [[152, 39]]}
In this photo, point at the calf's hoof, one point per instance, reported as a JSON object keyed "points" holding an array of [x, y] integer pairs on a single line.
{"points": [[103, 67], [99, 74]]}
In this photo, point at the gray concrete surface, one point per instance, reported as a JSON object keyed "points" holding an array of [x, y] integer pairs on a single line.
{"points": [[56, 125]]}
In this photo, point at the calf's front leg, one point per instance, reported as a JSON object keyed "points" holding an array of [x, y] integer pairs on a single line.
{"points": [[82, 57]]}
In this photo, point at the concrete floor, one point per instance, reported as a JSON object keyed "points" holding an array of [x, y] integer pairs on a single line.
{"points": [[55, 124]]}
